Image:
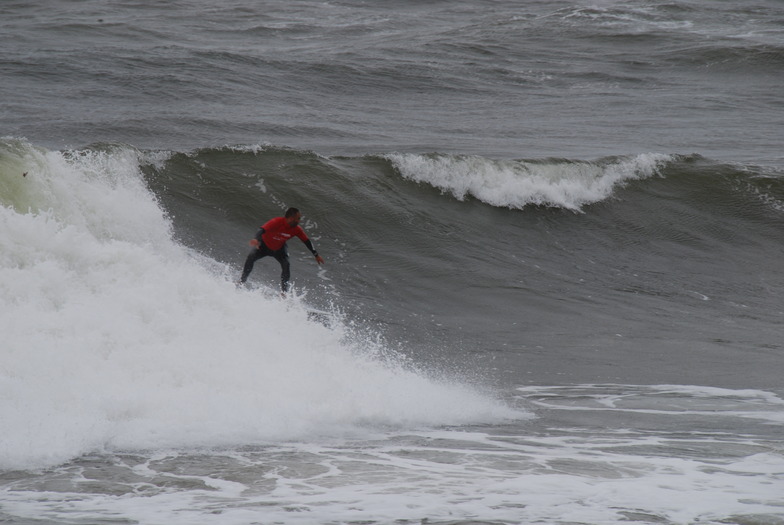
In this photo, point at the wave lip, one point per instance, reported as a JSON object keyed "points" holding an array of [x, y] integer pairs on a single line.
{"points": [[516, 184]]}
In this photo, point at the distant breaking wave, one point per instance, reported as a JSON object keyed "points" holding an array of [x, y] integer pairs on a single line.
{"points": [[518, 183]]}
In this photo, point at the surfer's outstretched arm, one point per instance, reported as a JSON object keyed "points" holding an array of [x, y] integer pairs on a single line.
{"points": [[313, 251]]}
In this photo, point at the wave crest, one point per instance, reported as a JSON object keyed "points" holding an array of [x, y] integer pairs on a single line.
{"points": [[516, 184]]}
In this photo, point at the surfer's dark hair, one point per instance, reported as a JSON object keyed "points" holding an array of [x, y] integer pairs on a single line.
{"points": [[291, 212]]}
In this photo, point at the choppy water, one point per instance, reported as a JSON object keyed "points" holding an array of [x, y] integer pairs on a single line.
{"points": [[553, 234]]}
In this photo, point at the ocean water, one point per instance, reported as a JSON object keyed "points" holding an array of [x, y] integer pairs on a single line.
{"points": [[553, 243]]}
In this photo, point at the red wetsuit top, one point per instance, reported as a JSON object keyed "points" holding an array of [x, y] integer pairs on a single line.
{"points": [[277, 231]]}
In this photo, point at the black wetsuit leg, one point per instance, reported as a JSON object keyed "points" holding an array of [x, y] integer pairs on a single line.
{"points": [[253, 256], [282, 257]]}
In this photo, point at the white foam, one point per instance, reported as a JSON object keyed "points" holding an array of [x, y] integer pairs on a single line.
{"points": [[516, 183], [441, 476], [115, 337]]}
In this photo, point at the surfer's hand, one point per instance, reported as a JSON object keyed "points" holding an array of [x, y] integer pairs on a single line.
{"points": [[254, 243], [319, 259]]}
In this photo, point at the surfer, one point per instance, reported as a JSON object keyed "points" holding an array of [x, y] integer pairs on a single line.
{"points": [[271, 240]]}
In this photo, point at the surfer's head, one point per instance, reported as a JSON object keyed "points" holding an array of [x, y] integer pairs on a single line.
{"points": [[293, 216]]}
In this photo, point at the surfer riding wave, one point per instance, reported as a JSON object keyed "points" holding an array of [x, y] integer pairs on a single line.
{"points": [[271, 240]]}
